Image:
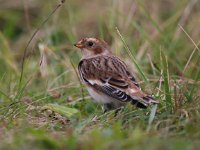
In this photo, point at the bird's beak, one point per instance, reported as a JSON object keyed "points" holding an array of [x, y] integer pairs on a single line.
{"points": [[79, 44]]}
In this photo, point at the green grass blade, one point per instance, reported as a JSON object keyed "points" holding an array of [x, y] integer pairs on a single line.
{"points": [[62, 110], [152, 114], [131, 56], [164, 66], [197, 78], [5, 95]]}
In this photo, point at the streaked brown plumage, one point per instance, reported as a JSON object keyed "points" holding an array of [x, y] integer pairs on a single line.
{"points": [[107, 77]]}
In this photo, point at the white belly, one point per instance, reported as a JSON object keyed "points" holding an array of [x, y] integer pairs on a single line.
{"points": [[103, 99]]}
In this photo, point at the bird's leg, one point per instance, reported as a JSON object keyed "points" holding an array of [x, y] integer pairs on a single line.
{"points": [[107, 107], [117, 110]]}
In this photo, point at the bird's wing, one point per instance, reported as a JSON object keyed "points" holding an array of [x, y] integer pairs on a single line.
{"points": [[110, 76]]}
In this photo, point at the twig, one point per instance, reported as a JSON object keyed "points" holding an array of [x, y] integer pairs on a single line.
{"points": [[189, 37], [191, 55], [36, 31]]}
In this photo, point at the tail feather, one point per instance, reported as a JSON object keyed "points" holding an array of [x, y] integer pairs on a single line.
{"points": [[143, 102]]}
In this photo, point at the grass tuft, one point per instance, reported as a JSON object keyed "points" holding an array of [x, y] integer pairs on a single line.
{"points": [[43, 105]]}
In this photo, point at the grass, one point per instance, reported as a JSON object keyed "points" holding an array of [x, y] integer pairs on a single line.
{"points": [[48, 108]]}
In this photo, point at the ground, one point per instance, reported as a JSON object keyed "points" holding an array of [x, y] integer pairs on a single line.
{"points": [[43, 104]]}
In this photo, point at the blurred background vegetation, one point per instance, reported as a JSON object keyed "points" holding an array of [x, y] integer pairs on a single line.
{"points": [[44, 106]]}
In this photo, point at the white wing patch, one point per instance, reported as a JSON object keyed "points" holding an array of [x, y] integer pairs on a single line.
{"points": [[93, 82], [132, 91]]}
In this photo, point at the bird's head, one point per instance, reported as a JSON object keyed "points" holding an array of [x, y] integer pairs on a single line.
{"points": [[92, 47]]}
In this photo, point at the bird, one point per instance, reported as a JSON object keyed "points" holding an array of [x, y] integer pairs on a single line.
{"points": [[107, 78]]}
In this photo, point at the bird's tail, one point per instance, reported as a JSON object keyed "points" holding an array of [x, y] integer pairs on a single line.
{"points": [[143, 102]]}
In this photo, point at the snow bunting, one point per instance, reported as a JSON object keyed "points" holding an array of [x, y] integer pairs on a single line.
{"points": [[107, 78]]}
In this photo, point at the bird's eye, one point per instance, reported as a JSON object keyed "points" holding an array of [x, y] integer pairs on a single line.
{"points": [[90, 44]]}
